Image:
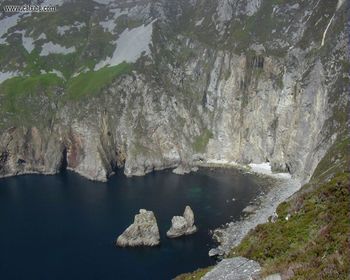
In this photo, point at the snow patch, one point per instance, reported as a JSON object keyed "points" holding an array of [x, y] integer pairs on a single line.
{"points": [[61, 30], [7, 75], [79, 25], [58, 73], [42, 36], [27, 42], [131, 44], [199, 23], [6, 23], [51, 48], [109, 24], [340, 3]]}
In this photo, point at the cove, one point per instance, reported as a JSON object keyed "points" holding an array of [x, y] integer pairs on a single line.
{"points": [[65, 226]]}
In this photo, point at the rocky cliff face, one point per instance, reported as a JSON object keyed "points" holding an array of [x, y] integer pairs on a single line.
{"points": [[244, 81]]}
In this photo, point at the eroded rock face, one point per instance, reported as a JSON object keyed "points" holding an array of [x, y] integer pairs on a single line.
{"points": [[182, 225], [235, 99], [143, 232], [28, 151]]}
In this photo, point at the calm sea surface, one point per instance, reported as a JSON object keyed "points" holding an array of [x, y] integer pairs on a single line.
{"points": [[64, 226]]}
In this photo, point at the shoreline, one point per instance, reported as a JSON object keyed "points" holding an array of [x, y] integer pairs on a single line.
{"points": [[232, 233]]}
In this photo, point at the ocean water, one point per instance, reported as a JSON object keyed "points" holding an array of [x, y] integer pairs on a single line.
{"points": [[65, 227]]}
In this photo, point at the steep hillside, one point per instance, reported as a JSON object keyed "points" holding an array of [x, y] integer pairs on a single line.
{"points": [[148, 85], [309, 237]]}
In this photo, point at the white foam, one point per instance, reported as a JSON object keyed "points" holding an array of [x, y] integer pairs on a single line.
{"points": [[265, 168], [7, 75], [130, 45], [222, 162], [51, 48]]}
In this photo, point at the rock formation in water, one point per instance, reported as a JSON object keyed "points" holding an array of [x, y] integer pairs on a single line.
{"points": [[143, 232], [182, 225]]}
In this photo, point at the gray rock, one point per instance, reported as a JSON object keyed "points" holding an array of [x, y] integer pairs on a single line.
{"points": [[182, 170], [215, 252], [143, 232], [273, 277], [182, 225], [234, 269], [249, 209]]}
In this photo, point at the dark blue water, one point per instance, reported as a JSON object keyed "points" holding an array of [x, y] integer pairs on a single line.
{"points": [[64, 226]]}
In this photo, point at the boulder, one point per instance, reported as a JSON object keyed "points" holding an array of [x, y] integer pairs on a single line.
{"points": [[143, 232], [182, 225]]}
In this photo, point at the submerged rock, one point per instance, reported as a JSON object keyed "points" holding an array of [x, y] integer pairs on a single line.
{"points": [[143, 232], [182, 225]]}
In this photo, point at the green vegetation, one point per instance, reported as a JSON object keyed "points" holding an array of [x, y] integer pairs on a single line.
{"points": [[335, 161], [313, 243], [34, 100], [201, 141], [28, 85], [91, 83], [28, 100]]}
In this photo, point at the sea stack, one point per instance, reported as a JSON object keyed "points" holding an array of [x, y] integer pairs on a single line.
{"points": [[143, 232], [182, 225]]}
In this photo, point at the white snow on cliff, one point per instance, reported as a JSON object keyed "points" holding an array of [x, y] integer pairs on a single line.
{"points": [[6, 23], [52, 48], [7, 75], [110, 24], [130, 46]]}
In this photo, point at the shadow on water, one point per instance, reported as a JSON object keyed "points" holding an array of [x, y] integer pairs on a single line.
{"points": [[64, 226]]}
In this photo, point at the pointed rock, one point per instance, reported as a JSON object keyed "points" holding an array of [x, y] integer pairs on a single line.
{"points": [[182, 225], [143, 232]]}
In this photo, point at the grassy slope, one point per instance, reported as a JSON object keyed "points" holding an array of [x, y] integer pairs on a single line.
{"points": [[92, 82], [23, 97], [29, 100], [314, 241]]}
